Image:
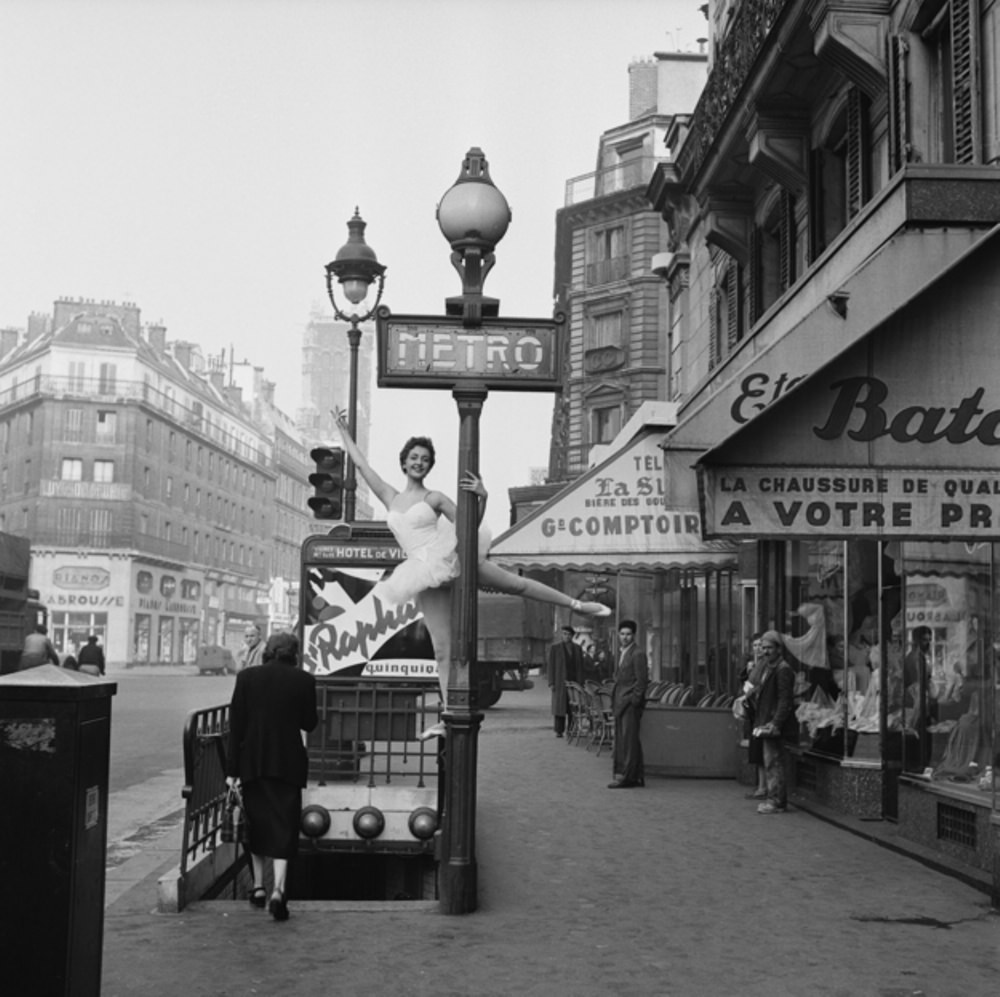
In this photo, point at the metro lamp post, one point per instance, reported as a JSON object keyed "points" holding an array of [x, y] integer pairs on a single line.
{"points": [[355, 268]]}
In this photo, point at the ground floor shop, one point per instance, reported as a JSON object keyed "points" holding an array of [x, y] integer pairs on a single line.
{"points": [[141, 613], [628, 533], [871, 491]]}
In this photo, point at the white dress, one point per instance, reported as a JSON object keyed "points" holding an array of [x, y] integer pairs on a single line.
{"points": [[431, 547]]}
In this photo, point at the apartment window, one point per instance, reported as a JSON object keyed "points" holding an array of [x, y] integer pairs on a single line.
{"points": [[606, 423], [172, 446], [107, 424], [69, 524], [187, 494], [952, 37], [100, 526], [605, 330], [143, 523], [608, 260], [108, 379], [104, 471], [73, 425], [77, 381], [72, 469], [169, 488]]}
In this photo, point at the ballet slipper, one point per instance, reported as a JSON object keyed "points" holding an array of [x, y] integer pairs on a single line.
{"points": [[590, 608], [438, 730]]}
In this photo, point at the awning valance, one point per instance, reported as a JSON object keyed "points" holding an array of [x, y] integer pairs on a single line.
{"points": [[637, 510]]}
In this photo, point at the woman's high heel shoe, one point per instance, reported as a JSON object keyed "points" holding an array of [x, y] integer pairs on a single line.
{"points": [[590, 608], [278, 906]]}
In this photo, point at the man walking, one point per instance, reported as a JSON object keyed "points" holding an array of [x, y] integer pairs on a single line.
{"points": [[627, 701], [565, 664], [775, 718]]}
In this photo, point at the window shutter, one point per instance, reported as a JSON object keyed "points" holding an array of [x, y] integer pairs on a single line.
{"points": [[899, 103], [755, 276], [816, 241], [786, 241], [965, 82], [857, 152], [733, 289], [713, 324]]}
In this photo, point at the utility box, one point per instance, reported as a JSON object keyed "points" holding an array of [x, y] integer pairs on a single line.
{"points": [[55, 745]]}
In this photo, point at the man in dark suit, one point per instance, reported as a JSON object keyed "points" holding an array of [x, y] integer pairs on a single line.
{"points": [[270, 708], [565, 664], [627, 701]]}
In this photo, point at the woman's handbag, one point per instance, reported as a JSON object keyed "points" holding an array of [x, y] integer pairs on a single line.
{"points": [[235, 828]]}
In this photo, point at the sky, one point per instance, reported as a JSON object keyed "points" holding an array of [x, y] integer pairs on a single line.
{"points": [[201, 158]]}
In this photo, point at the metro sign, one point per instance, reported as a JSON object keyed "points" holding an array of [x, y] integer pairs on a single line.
{"points": [[440, 352]]}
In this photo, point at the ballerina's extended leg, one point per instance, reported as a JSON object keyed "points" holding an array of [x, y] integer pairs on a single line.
{"points": [[492, 576]]}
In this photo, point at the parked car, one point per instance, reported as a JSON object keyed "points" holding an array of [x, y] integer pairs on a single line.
{"points": [[214, 659]]}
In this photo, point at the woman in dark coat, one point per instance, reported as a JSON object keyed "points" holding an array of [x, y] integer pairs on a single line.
{"points": [[271, 706]]}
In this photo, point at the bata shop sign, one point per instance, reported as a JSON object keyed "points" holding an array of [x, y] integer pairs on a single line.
{"points": [[824, 501]]}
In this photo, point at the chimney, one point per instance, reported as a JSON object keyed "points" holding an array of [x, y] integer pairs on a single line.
{"points": [[217, 378], [182, 353], [8, 341], [642, 87], [38, 322], [157, 337], [235, 395]]}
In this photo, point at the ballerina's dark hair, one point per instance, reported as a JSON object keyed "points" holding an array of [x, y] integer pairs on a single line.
{"points": [[417, 441]]}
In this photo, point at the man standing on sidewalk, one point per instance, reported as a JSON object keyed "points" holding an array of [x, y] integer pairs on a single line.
{"points": [[253, 647], [775, 718], [565, 664], [627, 701]]}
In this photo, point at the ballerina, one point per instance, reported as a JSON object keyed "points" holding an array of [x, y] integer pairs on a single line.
{"points": [[422, 521]]}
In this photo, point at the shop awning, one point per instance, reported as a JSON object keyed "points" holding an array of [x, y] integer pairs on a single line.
{"points": [[898, 436], [637, 510]]}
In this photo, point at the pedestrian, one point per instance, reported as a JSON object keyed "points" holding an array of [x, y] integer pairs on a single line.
{"points": [[91, 657], [70, 662], [565, 664], [628, 697], [253, 647], [37, 649], [750, 677], [422, 521], [270, 708], [775, 720]]}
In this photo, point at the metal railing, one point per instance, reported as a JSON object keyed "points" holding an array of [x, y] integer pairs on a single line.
{"points": [[205, 736], [611, 180], [113, 391], [368, 731]]}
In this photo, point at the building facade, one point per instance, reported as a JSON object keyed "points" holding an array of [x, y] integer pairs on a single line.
{"points": [[144, 482], [833, 204]]}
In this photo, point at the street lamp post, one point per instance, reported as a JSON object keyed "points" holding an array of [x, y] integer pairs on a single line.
{"points": [[473, 216], [470, 351], [355, 268]]}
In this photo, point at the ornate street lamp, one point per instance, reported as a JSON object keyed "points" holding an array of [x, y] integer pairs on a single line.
{"points": [[355, 268], [473, 216]]}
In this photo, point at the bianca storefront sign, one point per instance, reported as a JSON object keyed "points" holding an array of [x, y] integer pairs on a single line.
{"points": [[817, 501]]}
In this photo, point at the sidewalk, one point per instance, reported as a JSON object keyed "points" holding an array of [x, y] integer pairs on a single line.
{"points": [[676, 889]]}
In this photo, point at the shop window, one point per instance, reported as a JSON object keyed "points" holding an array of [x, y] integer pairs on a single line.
{"points": [[165, 639], [141, 637]]}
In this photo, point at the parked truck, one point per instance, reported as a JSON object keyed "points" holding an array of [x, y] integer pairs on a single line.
{"points": [[20, 608]]}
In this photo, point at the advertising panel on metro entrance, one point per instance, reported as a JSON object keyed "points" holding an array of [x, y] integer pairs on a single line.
{"points": [[345, 629]]}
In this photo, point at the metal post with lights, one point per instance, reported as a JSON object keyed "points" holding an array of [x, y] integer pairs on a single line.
{"points": [[355, 268], [470, 351]]}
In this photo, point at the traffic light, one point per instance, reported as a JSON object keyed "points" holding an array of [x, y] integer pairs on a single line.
{"points": [[328, 481]]}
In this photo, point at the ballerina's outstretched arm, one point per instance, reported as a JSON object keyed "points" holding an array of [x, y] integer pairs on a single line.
{"points": [[382, 490]]}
